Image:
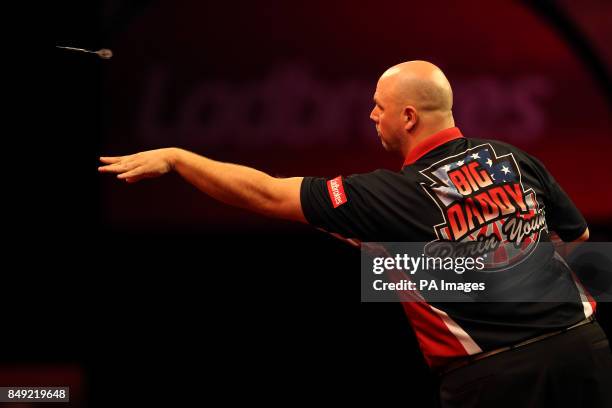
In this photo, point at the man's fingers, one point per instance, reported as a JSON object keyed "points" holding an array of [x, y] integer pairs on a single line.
{"points": [[130, 168], [106, 169], [131, 174], [115, 168], [110, 160], [126, 164]]}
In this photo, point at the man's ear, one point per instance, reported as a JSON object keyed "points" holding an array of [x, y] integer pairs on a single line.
{"points": [[410, 118]]}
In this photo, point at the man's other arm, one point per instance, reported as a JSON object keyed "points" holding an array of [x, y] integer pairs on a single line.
{"points": [[229, 183], [566, 248]]}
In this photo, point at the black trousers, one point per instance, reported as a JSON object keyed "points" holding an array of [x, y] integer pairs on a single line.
{"points": [[572, 369]]}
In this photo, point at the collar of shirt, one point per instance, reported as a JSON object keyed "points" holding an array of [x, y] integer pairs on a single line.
{"points": [[430, 143]]}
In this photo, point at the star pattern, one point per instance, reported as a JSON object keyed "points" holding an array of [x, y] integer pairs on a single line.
{"points": [[501, 170]]}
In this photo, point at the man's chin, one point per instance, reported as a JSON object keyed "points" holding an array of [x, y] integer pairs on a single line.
{"points": [[389, 149], [384, 145]]}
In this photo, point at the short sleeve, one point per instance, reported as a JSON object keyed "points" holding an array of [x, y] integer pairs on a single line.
{"points": [[358, 206], [562, 215]]}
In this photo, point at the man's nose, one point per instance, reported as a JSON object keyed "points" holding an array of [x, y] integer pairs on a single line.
{"points": [[374, 115]]}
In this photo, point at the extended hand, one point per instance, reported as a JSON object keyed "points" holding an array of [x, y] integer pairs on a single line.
{"points": [[135, 167]]}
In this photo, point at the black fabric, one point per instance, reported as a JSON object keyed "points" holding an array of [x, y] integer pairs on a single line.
{"points": [[573, 369], [392, 206], [413, 205], [562, 217], [375, 210]]}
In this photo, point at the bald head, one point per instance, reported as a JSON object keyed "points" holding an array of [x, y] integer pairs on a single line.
{"points": [[420, 84], [412, 101]]}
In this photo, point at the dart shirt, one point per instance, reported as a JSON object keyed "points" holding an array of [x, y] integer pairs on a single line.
{"points": [[453, 188]]}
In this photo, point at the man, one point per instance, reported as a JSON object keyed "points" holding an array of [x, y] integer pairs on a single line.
{"points": [[450, 189]]}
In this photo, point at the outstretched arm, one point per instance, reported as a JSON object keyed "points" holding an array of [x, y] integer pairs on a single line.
{"points": [[232, 184]]}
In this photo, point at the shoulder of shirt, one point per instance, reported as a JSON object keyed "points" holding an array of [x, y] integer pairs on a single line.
{"points": [[383, 179], [501, 147], [375, 174]]}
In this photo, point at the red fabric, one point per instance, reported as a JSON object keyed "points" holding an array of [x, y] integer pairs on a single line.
{"points": [[438, 344], [430, 143]]}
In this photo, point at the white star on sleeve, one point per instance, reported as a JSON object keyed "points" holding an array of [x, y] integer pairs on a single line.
{"points": [[475, 156], [447, 167], [460, 163], [492, 176], [490, 162], [505, 170]]}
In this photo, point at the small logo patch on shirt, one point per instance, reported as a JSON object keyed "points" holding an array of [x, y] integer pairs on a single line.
{"points": [[336, 191]]}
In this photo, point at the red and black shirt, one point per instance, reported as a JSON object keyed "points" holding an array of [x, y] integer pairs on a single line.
{"points": [[453, 188]]}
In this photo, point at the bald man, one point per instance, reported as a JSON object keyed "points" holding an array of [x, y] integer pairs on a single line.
{"points": [[449, 189], [413, 98]]}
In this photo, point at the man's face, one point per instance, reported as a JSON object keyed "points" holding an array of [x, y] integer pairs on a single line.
{"points": [[387, 117]]}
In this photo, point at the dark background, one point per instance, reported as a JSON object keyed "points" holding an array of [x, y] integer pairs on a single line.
{"points": [[153, 288]]}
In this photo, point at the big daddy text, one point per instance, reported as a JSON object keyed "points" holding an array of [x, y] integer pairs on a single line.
{"points": [[483, 200]]}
